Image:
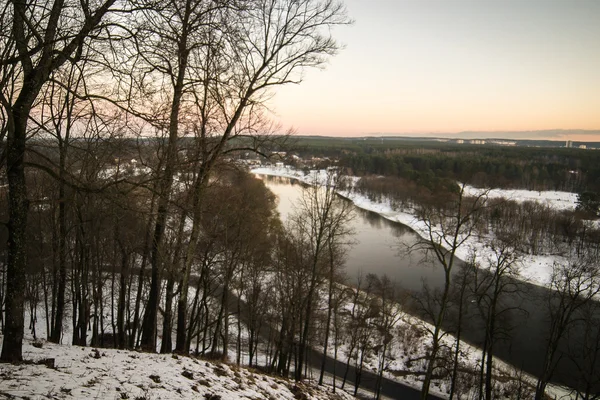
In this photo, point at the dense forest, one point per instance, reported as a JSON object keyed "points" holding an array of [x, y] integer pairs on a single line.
{"points": [[429, 161]]}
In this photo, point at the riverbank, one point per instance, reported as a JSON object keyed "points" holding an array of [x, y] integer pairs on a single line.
{"points": [[368, 253], [536, 269]]}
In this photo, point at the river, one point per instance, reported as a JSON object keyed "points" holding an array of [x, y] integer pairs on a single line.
{"points": [[380, 246], [380, 249]]}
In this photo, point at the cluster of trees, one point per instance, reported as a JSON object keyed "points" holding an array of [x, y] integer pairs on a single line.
{"points": [[428, 162], [106, 247], [523, 168], [542, 229], [400, 192], [178, 242], [486, 290], [75, 76], [256, 286]]}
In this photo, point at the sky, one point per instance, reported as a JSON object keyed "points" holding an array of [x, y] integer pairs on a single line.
{"points": [[432, 67]]}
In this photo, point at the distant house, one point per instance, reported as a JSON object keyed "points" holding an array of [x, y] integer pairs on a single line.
{"points": [[279, 154]]}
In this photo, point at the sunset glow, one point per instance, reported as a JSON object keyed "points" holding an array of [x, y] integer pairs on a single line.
{"points": [[447, 66]]}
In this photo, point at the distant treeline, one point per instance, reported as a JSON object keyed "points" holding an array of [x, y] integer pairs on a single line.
{"points": [[428, 163]]}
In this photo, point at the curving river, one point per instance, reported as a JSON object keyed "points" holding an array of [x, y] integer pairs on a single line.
{"points": [[380, 244], [379, 249]]}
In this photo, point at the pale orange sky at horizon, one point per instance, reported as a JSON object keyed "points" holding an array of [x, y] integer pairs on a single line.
{"points": [[448, 66]]}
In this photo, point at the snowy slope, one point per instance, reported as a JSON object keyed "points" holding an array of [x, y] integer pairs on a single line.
{"points": [[87, 373]]}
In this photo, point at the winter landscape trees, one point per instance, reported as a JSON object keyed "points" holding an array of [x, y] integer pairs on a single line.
{"points": [[449, 226], [130, 224], [206, 62]]}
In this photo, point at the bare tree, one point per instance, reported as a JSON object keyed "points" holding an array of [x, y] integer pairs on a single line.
{"points": [[492, 281], [386, 303], [448, 226], [269, 45], [336, 248], [574, 285], [61, 118], [44, 35], [584, 350], [321, 217], [354, 323], [461, 295]]}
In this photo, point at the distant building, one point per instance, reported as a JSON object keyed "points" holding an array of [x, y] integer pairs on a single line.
{"points": [[460, 141], [503, 143], [477, 141], [569, 144], [582, 146]]}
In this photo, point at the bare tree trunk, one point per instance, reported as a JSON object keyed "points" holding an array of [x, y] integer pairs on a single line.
{"points": [[329, 310], [62, 252], [462, 289], [335, 354], [195, 318], [167, 337], [18, 206], [148, 342], [380, 373], [46, 305], [164, 194], [359, 369], [188, 260], [491, 338], [140, 285], [121, 335], [435, 343], [238, 358]]}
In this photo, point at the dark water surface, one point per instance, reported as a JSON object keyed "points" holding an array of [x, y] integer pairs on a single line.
{"points": [[379, 249], [380, 246]]}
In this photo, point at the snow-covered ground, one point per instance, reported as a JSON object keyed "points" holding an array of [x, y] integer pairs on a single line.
{"points": [[61, 371], [555, 199], [533, 268]]}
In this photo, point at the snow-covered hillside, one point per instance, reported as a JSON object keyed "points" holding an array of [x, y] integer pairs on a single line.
{"points": [[60, 372]]}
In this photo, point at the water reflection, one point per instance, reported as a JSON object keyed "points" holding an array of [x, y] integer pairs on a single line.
{"points": [[381, 249], [380, 245]]}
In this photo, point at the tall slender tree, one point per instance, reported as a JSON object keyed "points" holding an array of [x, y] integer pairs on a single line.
{"points": [[574, 284], [42, 36], [448, 226], [322, 217]]}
